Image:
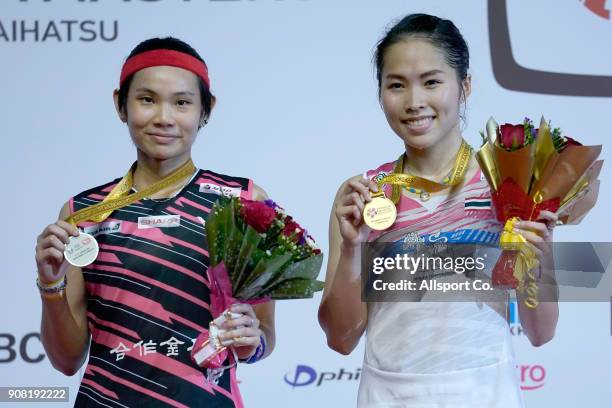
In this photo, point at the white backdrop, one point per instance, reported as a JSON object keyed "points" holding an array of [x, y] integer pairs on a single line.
{"points": [[297, 111]]}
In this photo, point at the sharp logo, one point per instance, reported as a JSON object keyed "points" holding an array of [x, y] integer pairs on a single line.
{"points": [[511, 75], [305, 375]]}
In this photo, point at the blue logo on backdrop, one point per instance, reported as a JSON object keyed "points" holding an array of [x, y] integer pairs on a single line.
{"points": [[305, 375]]}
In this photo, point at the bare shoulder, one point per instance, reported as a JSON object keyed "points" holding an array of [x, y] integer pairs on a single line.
{"points": [[65, 211]]}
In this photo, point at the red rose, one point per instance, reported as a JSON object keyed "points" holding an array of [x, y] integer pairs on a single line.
{"points": [[291, 227], [512, 136], [257, 214]]}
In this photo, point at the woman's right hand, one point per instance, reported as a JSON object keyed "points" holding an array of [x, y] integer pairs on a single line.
{"points": [[50, 250], [349, 210]]}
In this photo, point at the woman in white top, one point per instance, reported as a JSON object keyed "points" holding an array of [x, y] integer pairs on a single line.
{"points": [[427, 354]]}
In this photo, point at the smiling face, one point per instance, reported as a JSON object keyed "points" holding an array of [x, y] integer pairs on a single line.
{"points": [[420, 93], [163, 111]]}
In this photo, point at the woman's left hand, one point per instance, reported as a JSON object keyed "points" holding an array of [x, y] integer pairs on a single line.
{"points": [[540, 235], [242, 332]]}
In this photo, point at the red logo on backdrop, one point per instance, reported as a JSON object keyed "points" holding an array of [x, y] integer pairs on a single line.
{"points": [[514, 76], [598, 7], [532, 376]]}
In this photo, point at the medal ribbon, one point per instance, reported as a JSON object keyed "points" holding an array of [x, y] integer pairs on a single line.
{"points": [[119, 197], [398, 179]]}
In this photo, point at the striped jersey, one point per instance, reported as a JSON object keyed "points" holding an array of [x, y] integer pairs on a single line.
{"points": [[463, 216], [148, 299]]}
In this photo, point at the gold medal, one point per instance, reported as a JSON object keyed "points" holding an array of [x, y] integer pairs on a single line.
{"points": [[380, 213]]}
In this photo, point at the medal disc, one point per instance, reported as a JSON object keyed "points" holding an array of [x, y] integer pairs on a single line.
{"points": [[82, 250], [380, 213]]}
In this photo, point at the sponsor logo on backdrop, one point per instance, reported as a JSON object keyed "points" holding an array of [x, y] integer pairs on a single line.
{"points": [[304, 376], [598, 7], [13, 347], [70, 29], [532, 377], [511, 75], [65, 30]]}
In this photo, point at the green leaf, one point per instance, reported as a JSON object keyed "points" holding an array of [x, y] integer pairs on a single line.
{"points": [[308, 268], [216, 233], [264, 272], [295, 289], [483, 137], [234, 240], [249, 244]]}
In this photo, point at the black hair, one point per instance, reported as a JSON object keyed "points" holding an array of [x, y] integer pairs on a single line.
{"points": [[441, 33], [174, 44]]}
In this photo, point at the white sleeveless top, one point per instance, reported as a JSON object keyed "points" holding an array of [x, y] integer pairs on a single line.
{"points": [[440, 354]]}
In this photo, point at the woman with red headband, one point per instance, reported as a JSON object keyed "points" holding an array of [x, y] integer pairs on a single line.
{"points": [[125, 280]]}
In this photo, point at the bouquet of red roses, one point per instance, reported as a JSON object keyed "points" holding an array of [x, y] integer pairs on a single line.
{"points": [[256, 253], [265, 253], [530, 170]]}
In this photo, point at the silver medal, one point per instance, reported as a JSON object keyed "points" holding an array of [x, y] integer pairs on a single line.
{"points": [[82, 250]]}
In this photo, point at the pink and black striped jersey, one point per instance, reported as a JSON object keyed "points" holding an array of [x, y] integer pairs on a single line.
{"points": [[148, 299]]}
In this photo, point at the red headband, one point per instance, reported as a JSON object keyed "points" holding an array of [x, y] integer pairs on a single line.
{"points": [[171, 58]]}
